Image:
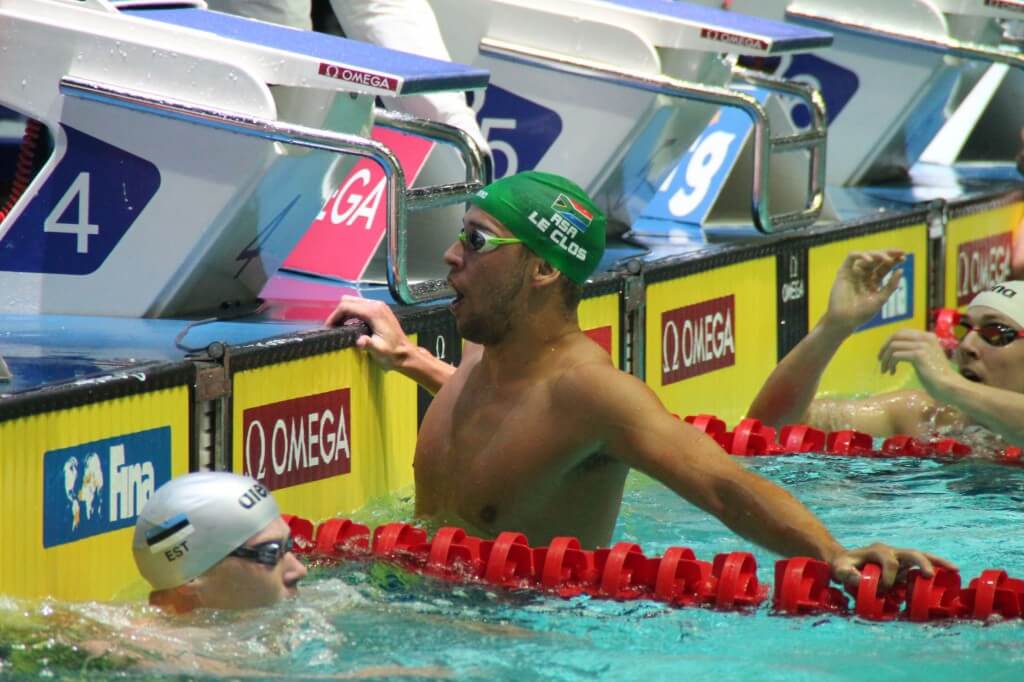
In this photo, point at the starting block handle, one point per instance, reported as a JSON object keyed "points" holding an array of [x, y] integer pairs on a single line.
{"points": [[479, 172], [764, 144], [5, 371], [814, 140], [477, 162], [930, 40]]}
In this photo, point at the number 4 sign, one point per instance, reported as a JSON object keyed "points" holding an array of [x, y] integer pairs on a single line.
{"points": [[81, 211]]}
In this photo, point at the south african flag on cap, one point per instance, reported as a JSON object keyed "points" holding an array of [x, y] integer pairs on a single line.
{"points": [[553, 217], [573, 211]]}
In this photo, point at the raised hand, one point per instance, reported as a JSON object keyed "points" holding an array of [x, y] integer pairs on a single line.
{"points": [[924, 352], [861, 289]]}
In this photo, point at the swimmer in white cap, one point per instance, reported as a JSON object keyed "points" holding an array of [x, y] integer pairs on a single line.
{"points": [[985, 386], [215, 540]]}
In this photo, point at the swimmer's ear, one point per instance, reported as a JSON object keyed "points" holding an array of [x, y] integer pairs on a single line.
{"points": [[543, 273], [180, 599]]}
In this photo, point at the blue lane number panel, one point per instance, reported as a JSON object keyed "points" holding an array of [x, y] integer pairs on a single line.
{"points": [[82, 211], [519, 131], [689, 192]]}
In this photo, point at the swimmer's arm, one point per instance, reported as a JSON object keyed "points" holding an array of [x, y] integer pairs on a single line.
{"points": [[633, 426], [906, 412], [174, 655], [997, 409], [388, 345], [786, 396], [858, 293]]}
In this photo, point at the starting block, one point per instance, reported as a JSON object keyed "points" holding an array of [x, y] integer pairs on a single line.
{"points": [[191, 150], [911, 63], [649, 76]]}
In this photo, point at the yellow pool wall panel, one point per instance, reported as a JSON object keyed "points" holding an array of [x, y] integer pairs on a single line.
{"points": [[601, 313], [711, 338], [308, 396], [855, 370], [79, 567], [979, 252]]}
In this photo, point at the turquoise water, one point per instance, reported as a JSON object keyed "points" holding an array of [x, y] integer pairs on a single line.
{"points": [[367, 617]]}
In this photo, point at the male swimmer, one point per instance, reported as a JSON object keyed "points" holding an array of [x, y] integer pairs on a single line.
{"points": [[536, 430], [986, 386], [215, 540]]}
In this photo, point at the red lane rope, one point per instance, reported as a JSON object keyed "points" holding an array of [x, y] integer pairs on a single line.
{"points": [[751, 438], [623, 572]]}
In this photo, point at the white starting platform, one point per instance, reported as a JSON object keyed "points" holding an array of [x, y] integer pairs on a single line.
{"points": [[907, 81], [191, 150], [619, 94]]}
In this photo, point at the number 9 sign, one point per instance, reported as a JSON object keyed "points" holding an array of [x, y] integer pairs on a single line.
{"points": [[689, 192], [708, 155]]}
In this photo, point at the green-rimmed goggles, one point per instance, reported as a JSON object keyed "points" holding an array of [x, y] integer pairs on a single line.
{"points": [[483, 241]]}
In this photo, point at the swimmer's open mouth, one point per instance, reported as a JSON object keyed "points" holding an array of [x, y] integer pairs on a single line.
{"points": [[970, 376], [458, 294]]}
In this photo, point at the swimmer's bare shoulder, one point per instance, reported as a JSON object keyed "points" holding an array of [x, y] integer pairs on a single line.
{"points": [[167, 649], [594, 391]]}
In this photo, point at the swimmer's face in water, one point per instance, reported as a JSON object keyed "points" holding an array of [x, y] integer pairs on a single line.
{"points": [[242, 583], [1000, 366]]}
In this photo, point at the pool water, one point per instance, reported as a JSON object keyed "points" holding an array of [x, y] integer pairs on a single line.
{"points": [[365, 615]]}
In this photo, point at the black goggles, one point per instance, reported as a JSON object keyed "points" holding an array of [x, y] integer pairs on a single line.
{"points": [[266, 553], [992, 333]]}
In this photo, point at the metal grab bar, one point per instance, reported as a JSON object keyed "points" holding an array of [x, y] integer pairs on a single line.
{"points": [[764, 144], [478, 162], [479, 172], [341, 143], [952, 46], [5, 371], [814, 140]]}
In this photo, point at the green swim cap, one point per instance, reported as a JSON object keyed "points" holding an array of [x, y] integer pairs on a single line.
{"points": [[552, 215]]}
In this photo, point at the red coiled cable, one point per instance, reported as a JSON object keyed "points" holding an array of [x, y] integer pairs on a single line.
{"points": [[25, 169]]}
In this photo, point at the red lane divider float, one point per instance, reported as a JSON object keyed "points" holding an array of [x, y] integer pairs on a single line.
{"points": [[751, 438], [728, 582]]}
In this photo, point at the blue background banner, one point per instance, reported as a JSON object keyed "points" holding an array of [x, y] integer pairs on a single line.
{"points": [[100, 486]]}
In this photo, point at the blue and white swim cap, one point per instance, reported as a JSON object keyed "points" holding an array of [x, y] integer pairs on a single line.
{"points": [[1006, 297], [194, 521]]}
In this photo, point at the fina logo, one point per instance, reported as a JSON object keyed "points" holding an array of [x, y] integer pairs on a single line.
{"points": [[900, 305], [97, 487], [84, 494]]}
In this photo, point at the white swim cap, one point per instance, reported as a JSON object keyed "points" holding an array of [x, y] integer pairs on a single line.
{"points": [[194, 521], [1006, 297]]}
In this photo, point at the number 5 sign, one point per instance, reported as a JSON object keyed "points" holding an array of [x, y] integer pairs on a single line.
{"points": [[691, 189]]}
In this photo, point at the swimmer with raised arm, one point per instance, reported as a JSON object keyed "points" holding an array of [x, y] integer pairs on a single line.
{"points": [[536, 430], [215, 540], [985, 386]]}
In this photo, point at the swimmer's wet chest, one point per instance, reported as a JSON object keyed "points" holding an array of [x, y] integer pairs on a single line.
{"points": [[505, 441]]}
